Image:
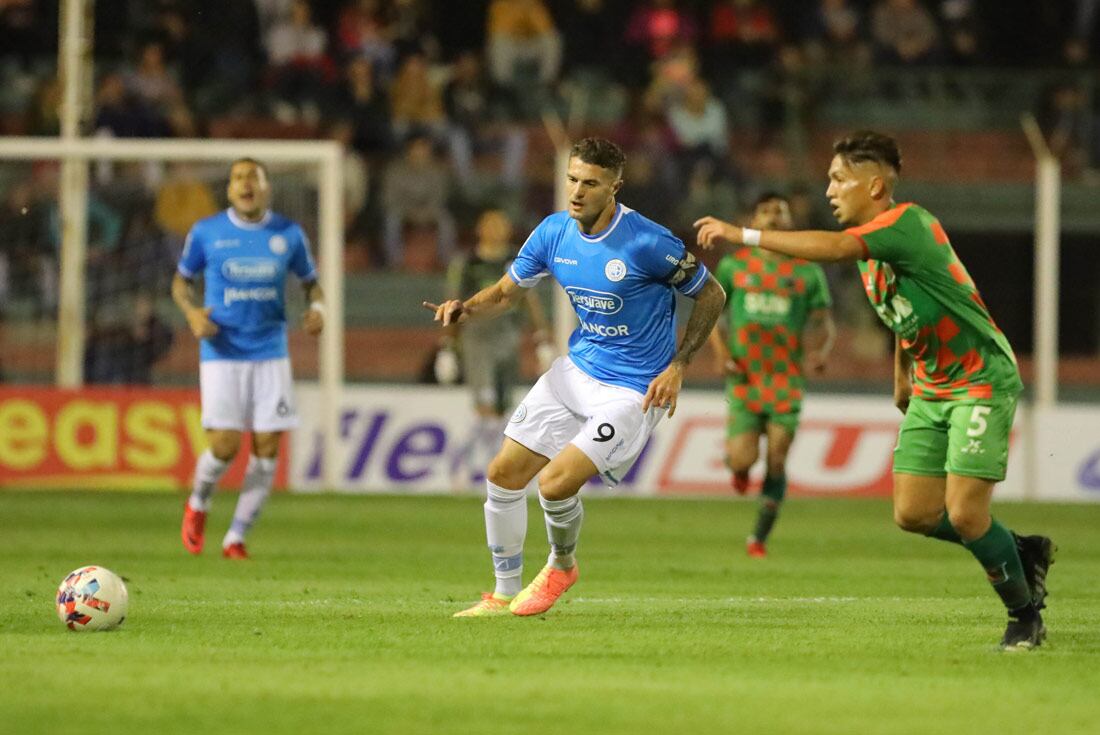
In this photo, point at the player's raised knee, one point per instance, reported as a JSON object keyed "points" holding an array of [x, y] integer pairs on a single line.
{"points": [[916, 520], [557, 483], [969, 523], [506, 472]]}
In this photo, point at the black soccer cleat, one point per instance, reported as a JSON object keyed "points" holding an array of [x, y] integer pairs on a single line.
{"points": [[1036, 555], [1024, 635]]}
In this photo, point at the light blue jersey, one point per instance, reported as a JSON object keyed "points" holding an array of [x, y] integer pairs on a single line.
{"points": [[244, 265], [620, 282]]}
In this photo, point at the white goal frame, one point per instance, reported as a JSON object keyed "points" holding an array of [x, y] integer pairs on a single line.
{"points": [[76, 153]]}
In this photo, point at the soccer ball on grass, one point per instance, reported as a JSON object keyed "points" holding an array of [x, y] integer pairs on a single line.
{"points": [[92, 598]]}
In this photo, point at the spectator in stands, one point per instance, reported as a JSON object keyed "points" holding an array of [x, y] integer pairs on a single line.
{"points": [[672, 75], [300, 71], [698, 123], [658, 27], [522, 43], [182, 200], [364, 30], [154, 87], [417, 102], [28, 31], [482, 119], [741, 33], [835, 35], [904, 32], [415, 191], [364, 104], [42, 117]]}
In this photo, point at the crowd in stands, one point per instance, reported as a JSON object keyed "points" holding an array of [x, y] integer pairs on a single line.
{"points": [[439, 102]]}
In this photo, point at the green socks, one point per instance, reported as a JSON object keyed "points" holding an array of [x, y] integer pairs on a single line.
{"points": [[945, 531], [996, 552], [771, 496]]}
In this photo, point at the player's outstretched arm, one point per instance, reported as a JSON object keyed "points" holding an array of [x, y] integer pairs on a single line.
{"points": [[816, 245], [665, 388], [313, 321], [198, 318], [485, 304]]}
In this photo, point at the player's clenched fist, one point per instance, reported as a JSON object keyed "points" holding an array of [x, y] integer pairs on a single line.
{"points": [[714, 232], [201, 325], [449, 312]]}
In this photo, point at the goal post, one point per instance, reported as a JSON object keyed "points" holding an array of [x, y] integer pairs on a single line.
{"points": [[325, 156]]}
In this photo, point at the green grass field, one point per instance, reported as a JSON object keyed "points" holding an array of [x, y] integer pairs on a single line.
{"points": [[341, 623]]}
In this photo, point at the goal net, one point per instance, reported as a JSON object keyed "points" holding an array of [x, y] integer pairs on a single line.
{"points": [[86, 261]]}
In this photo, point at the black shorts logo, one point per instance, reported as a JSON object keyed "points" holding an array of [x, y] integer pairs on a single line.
{"points": [[283, 408], [604, 433]]}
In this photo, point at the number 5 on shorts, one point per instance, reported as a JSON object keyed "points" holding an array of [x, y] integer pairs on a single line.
{"points": [[978, 423]]}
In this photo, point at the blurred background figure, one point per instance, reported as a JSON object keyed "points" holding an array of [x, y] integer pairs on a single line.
{"points": [[415, 192], [488, 352]]}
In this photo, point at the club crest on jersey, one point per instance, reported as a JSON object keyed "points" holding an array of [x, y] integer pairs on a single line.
{"points": [[277, 243], [615, 270], [596, 302]]}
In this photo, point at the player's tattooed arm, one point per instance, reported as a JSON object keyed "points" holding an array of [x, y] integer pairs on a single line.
{"points": [[821, 333], [313, 321], [198, 317], [665, 388], [820, 246], [903, 384], [485, 304], [704, 315]]}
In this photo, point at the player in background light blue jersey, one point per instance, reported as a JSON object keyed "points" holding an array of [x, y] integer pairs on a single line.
{"points": [[243, 255], [594, 410]]}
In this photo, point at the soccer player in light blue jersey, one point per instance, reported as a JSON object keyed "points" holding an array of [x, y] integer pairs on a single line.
{"points": [[243, 255], [592, 412]]}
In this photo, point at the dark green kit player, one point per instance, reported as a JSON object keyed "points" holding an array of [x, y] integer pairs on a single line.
{"points": [[775, 306], [955, 377], [489, 351]]}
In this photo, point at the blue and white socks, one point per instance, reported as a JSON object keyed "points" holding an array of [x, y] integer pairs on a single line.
{"points": [[505, 530]]}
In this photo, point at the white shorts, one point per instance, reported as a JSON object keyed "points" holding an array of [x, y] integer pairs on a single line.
{"points": [[567, 406], [247, 395]]}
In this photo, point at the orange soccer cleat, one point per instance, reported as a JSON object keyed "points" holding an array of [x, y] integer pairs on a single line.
{"points": [[544, 590], [235, 551], [194, 528], [755, 549]]}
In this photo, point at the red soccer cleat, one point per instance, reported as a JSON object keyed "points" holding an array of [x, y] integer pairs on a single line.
{"points": [[740, 482], [194, 528], [235, 551], [756, 549]]}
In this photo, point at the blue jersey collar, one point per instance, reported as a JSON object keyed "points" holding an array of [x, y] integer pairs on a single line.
{"points": [[245, 224], [620, 210]]}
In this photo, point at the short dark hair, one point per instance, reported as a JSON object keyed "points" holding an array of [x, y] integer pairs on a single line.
{"points": [[867, 145], [768, 196], [248, 159], [599, 152]]}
